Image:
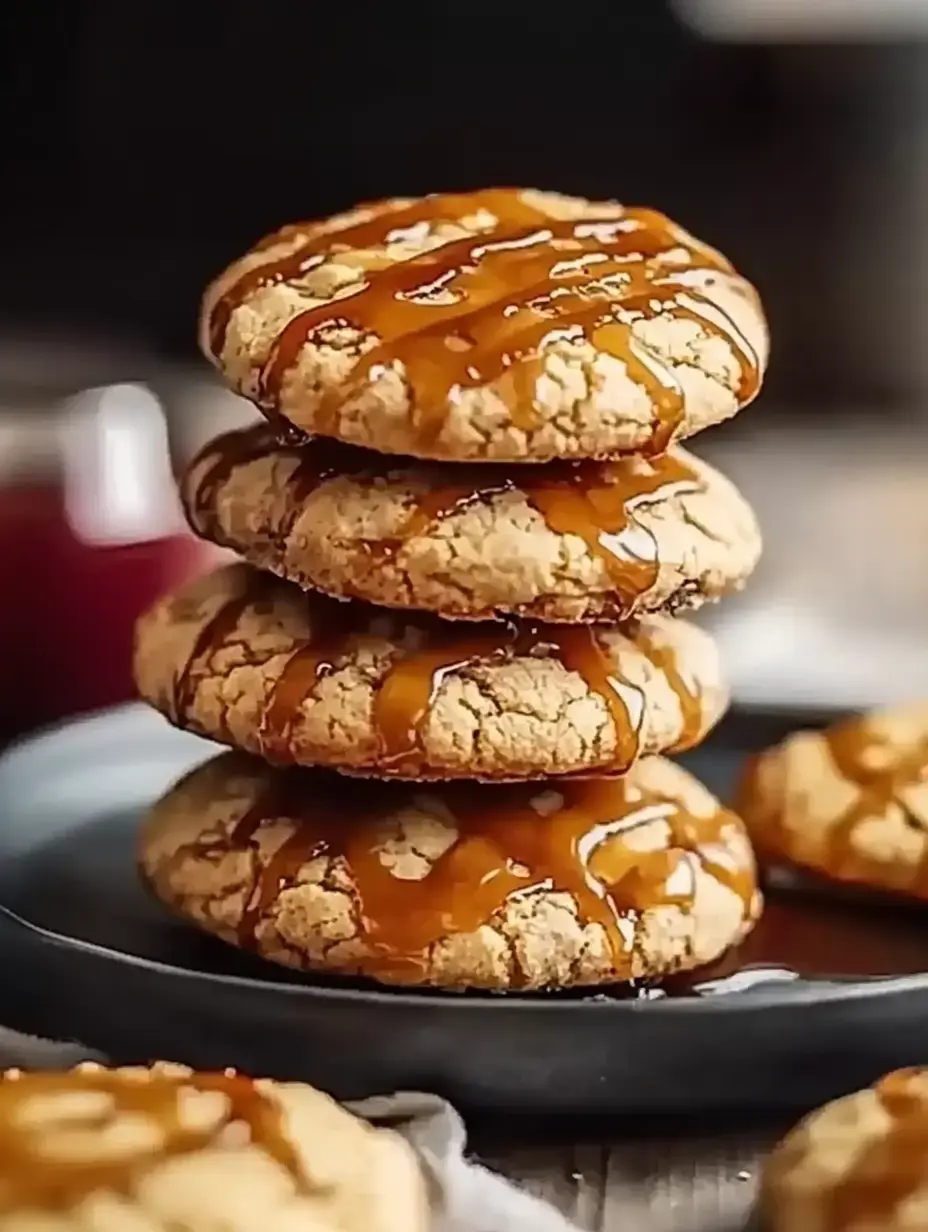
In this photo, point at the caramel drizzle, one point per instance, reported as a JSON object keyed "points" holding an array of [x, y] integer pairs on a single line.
{"points": [[470, 311], [504, 846], [225, 456], [850, 744], [892, 1166], [317, 462], [32, 1180], [596, 501], [213, 635], [881, 781], [407, 690]]}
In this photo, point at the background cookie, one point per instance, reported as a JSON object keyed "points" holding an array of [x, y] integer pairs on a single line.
{"points": [[856, 1165], [163, 1148], [562, 541], [851, 802], [498, 324], [507, 886], [252, 661]]}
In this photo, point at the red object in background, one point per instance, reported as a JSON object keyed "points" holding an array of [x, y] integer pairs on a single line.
{"points": [[90, 534]]}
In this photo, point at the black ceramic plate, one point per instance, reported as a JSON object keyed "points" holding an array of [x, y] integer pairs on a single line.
{"points": [[87, 955]]}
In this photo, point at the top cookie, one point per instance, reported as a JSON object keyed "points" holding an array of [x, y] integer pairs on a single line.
{"points": [[146, 1149], [500, 324], [856, 1165], [850, 803]]}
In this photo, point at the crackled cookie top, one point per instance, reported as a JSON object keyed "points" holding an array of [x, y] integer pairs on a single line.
{"points": [[146, 1149], [499, 886], [252, 661], [856, 1165], [557, 541], [504, 323], [850, 802]]}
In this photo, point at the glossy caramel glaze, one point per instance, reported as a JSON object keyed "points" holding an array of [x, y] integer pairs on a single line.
{"points": [[405, 694], [480, 308], [33, 1179], [620, 848], [850, 802], [594, 501], [249, 660]]}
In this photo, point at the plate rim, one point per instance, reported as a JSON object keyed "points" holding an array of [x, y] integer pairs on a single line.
{"points": [[763, 996], [760, 996]]}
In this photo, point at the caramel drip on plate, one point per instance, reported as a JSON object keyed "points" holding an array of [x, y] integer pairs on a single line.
{"points": [[891, 1167], [481, 309], [509, 840], [596, 501], [30, 1179], [413, 679]]}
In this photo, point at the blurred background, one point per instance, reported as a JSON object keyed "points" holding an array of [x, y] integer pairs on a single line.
{"points": [[145, 145]]}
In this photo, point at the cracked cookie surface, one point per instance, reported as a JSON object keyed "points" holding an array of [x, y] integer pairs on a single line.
{"points": [[529, 885], [254, 662], [850, 803], [162, 1148], [556, 541], [499, 324], [855, 1165]]}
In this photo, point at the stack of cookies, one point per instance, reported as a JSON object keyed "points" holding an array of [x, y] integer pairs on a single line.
{"points": [[450, 660]]}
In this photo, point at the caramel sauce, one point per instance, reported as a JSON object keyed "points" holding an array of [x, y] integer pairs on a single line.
{"points": [[510, 840], [413, 679], [30, 1179], [481, 309], [596, 501], [214, 633], [226, 455], [882, 771], [813, 932]]}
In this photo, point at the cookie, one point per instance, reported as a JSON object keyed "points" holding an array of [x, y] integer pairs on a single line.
{"points": [[163, 1148], [252, 661], [856, 1165], [462, 885], [500, 324], [850, 803], [561, 541]]}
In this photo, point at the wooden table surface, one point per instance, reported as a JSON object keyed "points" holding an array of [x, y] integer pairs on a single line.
{"points": [[694, 1181]]}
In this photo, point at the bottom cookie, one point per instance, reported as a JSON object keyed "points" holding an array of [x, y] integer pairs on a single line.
{"points": [[856, 1165], [161, 1148], [510, 886]]}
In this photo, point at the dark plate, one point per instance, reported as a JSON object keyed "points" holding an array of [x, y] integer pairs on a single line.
{"points": [[87, 955]]}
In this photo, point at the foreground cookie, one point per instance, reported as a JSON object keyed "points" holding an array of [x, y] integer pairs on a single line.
{"points": [[499, 324], [850, 803], [465, 885], [251, 661], [563, 541], [859, 1164], [164, 1149]]}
